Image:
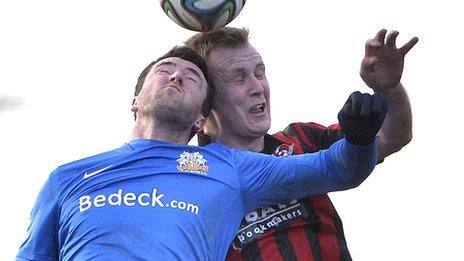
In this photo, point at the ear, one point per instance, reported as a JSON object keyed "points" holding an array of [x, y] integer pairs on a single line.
{"points": [[199, 124], [135, 107], [212, 124]]}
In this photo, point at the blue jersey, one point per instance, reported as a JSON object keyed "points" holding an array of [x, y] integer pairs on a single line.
{"points": [[152, 200]]}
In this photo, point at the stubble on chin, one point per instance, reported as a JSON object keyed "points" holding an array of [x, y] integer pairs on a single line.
{"points": [[173, 112]]}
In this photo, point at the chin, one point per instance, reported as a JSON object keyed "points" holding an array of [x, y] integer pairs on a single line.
{"points": [[260, 129]]}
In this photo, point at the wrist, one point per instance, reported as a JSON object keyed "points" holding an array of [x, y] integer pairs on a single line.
{"points": [[360, 140], [388, 92]]}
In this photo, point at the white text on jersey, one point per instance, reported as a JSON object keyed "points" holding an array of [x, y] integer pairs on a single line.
{"points": [[131, 199]]}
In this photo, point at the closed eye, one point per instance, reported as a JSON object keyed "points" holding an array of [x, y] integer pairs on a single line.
{"points": [[192, 79], [259, 75], [239, 79], [162, 71], [260, 72], [239, 76]]}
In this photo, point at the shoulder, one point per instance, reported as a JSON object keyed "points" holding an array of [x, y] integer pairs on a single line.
{"points": [[220, 152], [80, 166], [309, 128], [311, 136], [215, 146]]}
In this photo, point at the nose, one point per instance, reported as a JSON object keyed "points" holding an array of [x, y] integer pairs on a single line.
{"points": [[176, 77], [256, 87]]}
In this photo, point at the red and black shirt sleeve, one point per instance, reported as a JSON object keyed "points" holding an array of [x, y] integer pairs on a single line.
{"points": [[313, 136]]}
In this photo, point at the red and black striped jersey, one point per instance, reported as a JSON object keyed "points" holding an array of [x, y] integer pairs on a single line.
{"points": [[303, 229]]}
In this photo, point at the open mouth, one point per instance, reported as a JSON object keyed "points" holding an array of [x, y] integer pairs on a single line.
{"points": [[258, 109]]}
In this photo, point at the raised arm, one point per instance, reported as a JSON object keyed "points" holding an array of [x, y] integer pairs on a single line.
{"points": [[381, 70]]}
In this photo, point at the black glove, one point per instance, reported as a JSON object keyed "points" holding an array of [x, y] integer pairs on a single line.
{"points": [[362, 117]]}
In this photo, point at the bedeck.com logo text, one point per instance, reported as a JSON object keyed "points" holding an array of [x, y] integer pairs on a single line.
{"points": [[131, 199]]}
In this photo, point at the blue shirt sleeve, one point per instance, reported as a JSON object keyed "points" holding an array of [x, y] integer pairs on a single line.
{"points": [[269, 180], [42, 240]]}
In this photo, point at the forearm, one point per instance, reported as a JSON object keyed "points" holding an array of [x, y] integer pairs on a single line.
{"points": [[342, 166], [351, 164], [396, 130]]}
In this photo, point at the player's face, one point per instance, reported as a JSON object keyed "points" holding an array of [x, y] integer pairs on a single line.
{"points": [[174, 89], [241, 100]]}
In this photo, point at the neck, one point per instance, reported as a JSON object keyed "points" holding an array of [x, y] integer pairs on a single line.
{"points": [[153, 131], [244, 143]]}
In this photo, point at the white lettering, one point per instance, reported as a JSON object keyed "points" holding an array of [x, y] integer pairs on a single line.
{"points": [[156, 199], [84, 203], [174, 204], [99, 201], [266, 211], [271, 223], [182, 205], [241, 238], [141, 202], [192, 208], [252, 216], [118, 197], [129, 199]]}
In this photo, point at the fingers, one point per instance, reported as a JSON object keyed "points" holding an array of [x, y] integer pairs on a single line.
{"points": [[352, 107], [379, 40], [405, 49], [366, 105], [362, 117], [391, 38], [348, 106], [368, 63], [381, 35], [375, 43], [356, 102], [376, 103], [371, 45]]}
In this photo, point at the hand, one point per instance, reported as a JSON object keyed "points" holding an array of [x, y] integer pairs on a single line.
{"points": [[362, 117], [382, 66]]}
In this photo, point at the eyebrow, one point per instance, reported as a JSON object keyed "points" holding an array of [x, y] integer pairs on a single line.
{"points": [[190, 69], [236, 68], [165, 63]]}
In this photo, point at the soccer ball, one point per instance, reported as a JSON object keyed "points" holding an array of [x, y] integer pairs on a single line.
{"points": [[202, 15]]}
